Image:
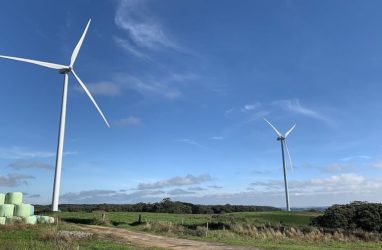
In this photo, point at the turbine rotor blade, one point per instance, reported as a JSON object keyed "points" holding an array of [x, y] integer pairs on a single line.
{"points": [[90, 96], [40, 63], [275, 129], [78, 46], [289, 131], [290, 158]]}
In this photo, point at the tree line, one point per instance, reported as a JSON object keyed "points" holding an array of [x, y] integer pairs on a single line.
{"points": [[165, 206]]}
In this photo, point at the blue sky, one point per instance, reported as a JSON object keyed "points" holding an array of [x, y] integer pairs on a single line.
{"points": [[185, 86]]}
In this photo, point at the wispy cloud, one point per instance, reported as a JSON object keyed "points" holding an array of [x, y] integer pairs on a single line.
{"points": [[27, 164], [159, 87], [251, 107], [176, 181], [217, 138], [14, 180], [356, 157], [126, 45], [104, 88], [15, 152], [129, 121], [335, 184], [143, 30], [179, 191], [294, 106], [108, 196]]}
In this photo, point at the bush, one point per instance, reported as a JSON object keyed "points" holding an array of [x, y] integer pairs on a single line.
{"points": [[356, 215]]}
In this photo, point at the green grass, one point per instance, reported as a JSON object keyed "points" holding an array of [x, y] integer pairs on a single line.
{"points": [[198, 222], [37, 237]]}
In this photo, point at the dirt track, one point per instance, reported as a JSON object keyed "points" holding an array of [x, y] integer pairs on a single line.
{"points": [[149, 240]]}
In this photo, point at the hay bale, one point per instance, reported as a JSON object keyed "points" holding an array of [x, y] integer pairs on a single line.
{"points": [[6, 210], [32, 210], [2, 220], [2, 198], [45, 219], [12, 220], [14, 198], [23, 210], [30, 220]]}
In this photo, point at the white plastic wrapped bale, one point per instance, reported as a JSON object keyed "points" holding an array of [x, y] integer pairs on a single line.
{"points": [[45, 219], [23, 210], [2, 198], [12, 220], [30, 220], [2, 220], [14, 198], [6, 210]]}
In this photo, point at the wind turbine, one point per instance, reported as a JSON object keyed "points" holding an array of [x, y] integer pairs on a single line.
{"points": [[282, 138], [64, 70]]}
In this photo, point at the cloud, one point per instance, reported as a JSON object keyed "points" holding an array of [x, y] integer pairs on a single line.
{"points": [[251, 107], [294, 106], [215, 187], [32, 195], [356, 157], [335, 184], [190, 142], [179, 191], [338, 167], [129, 121], [109, 196], [104, 88], [14, 180], [143, 30], [25, 164], [197, 189], [217, 138], [126, 45], [159, 87], [20, 152], [176, 181]]}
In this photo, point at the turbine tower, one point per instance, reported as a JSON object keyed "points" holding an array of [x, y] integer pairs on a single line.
{"points": [[282, 138], [64, 70]]}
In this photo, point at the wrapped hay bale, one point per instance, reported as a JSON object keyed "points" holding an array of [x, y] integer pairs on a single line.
{"points": [[6, 210], [2, 198], [2, 220], [14, 198], [12, 220], [30, 220], [45, 220], [23, 210], [31, 210]]}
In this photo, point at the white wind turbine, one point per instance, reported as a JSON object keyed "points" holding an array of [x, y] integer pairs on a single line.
{"points": [[65, 70], [282, 138]]}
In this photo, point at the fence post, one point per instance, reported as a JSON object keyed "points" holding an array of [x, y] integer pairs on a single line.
{"points": [[207, 230]]}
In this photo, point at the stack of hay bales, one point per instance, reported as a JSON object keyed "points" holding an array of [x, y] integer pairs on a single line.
{"points": [[13, 210]]}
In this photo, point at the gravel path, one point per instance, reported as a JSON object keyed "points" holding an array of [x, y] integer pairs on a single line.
{"points": [[150, 240]]}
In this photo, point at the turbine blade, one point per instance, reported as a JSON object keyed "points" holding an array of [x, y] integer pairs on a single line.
{"points": [[90, 96], [289, 131], [79, 44], [290, 158], [277, 132], [40, 63]]}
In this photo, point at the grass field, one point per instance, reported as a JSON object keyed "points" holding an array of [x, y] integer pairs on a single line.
{"points": [[231, 228], [14, 237]]}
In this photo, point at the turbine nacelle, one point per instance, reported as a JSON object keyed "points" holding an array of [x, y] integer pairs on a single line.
{"points": [[65, 70]]}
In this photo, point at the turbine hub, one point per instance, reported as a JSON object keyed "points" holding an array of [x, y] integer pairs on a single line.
{"points": [[65, 70]]}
